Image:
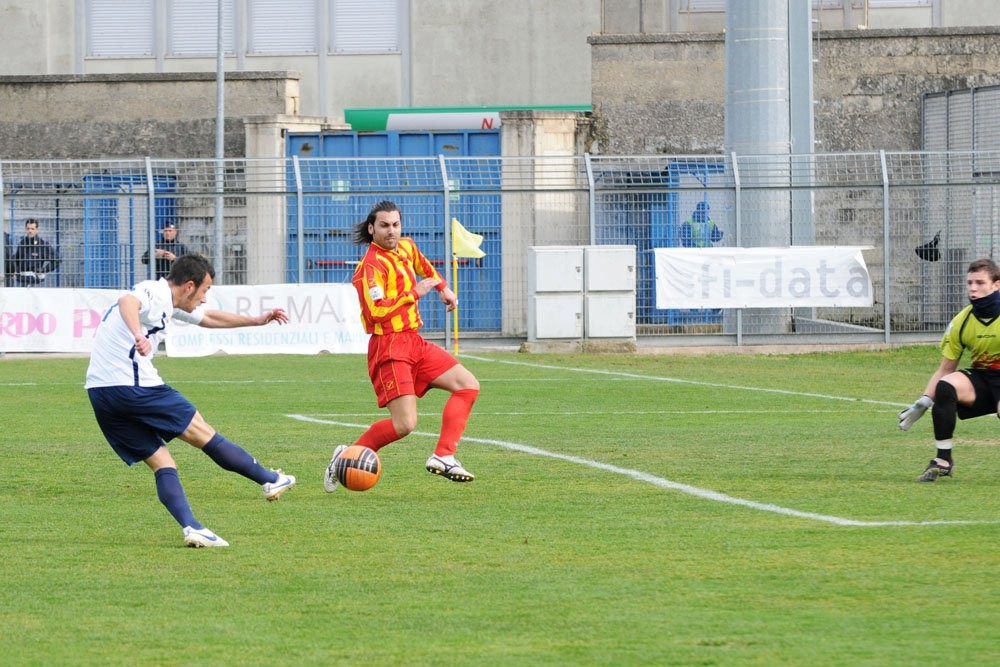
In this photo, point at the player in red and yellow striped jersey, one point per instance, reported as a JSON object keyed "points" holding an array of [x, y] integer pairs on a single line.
{"points": [[390, 280]]}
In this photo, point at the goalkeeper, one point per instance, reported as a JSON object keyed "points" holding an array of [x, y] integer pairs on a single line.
{"points": [[970, 392]]}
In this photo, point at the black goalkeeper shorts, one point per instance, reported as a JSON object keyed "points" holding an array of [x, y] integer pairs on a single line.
{"points": [[986, 383]]}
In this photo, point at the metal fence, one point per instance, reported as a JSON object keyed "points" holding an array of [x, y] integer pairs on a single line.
{"points": [[291, 220]]}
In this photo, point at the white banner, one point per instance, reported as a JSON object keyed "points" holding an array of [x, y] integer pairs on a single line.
{"points": [[445, 120], [322, 318], [36, 319], [762, 277]]}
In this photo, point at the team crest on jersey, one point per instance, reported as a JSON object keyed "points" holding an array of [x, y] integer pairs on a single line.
{"points": [[375, 292]]}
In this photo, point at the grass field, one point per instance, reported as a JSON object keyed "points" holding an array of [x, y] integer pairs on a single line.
{"points": [[628, 510]]}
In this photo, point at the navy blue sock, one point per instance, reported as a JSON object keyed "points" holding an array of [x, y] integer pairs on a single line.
{"points": [[171, 494], [230, 456]]}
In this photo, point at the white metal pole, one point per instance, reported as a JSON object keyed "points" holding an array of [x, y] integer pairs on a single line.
{"points": [[220, 146], [151, 216]]}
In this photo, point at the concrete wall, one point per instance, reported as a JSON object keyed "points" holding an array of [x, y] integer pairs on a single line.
{"points": [[516, 52], [36, 37], [665, 93], [660, 16], [542, 203], [455, 53], [129, 115]]}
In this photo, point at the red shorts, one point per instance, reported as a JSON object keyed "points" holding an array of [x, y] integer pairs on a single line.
{"points": [[401, 364]]}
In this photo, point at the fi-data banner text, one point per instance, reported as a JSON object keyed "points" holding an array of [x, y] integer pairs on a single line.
{"points": [[813, 276]]}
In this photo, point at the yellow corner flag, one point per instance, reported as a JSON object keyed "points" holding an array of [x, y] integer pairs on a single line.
{"points": [[463, 242]]}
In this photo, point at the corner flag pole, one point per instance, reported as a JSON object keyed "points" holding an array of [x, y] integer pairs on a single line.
{"points": [[454, 272], [463, 244]]}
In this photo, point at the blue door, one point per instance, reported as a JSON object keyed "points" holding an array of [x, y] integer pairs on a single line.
{"points": [[340, 192], [647, 209], [113, 225], [681, 201]]}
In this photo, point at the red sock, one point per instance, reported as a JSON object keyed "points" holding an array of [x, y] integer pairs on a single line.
{"points": [[453, 420], [378, 435]]}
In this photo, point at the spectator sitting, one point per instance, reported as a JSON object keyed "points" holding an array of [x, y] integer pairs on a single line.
{"points": [[34, 258]]}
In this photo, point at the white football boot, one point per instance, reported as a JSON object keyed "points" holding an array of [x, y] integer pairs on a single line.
{"points": [[274, 490], [202, 537], [330, 477], [450, 467]]}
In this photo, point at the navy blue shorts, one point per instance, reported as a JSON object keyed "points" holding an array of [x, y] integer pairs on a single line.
{"points": [[139, 420]]}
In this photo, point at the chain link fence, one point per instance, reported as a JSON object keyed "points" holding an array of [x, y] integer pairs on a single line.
{"points": [[291, 221]]}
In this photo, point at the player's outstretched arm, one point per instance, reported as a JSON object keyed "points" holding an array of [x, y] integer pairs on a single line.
{"points": [[449, 298], [221, 319], [911, 414]]}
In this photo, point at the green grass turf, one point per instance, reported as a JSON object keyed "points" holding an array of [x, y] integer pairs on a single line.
{"points": [[540, 561]]}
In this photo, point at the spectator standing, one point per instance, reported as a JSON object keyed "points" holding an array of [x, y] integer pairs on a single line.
{"points": [[700, 231], [167, 250]]}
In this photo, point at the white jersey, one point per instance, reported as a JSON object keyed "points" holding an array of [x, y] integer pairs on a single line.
{"points": [[114, 361]]}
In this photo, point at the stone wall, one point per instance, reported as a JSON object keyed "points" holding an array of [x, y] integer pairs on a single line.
{"points": [[665, 94], [107, 116]]}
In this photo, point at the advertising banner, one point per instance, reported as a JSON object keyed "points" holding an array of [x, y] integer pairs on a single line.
{"points": [[322, 318], [35, 319], [830, 276]]}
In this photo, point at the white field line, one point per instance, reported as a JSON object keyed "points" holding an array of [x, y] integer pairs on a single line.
{"points": [[546, 413], [665, 483], [657, 378]]}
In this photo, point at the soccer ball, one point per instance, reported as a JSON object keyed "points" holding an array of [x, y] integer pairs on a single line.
{"points": [[357, 468]]}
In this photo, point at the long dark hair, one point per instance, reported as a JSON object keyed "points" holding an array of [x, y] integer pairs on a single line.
{"points": [[361, 232]]}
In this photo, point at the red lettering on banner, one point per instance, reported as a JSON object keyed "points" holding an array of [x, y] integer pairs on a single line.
{"points": [[85, 320], [487, 124], [20, 324]]}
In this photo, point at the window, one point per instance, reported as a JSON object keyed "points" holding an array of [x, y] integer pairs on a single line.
{"points": [[191, 27], [365, 26], [282, 26], [116, 28], [704, 6], [720, 5], [893, 3], [124, 28]]}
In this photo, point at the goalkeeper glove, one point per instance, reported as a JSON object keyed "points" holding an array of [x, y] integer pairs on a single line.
{"points": [[914, 412]]}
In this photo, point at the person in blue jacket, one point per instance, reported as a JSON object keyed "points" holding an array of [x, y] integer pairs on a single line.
{"points": [[699, 231]]}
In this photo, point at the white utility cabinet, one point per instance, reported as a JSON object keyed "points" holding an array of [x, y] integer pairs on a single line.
{"points": [[555, 292], [577, 292], [609, 268]]}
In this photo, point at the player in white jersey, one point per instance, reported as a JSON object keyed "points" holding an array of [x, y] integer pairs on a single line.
{"points": [[139, 414]]}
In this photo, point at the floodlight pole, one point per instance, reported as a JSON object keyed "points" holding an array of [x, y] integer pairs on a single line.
{"points": [[220, 145]]}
